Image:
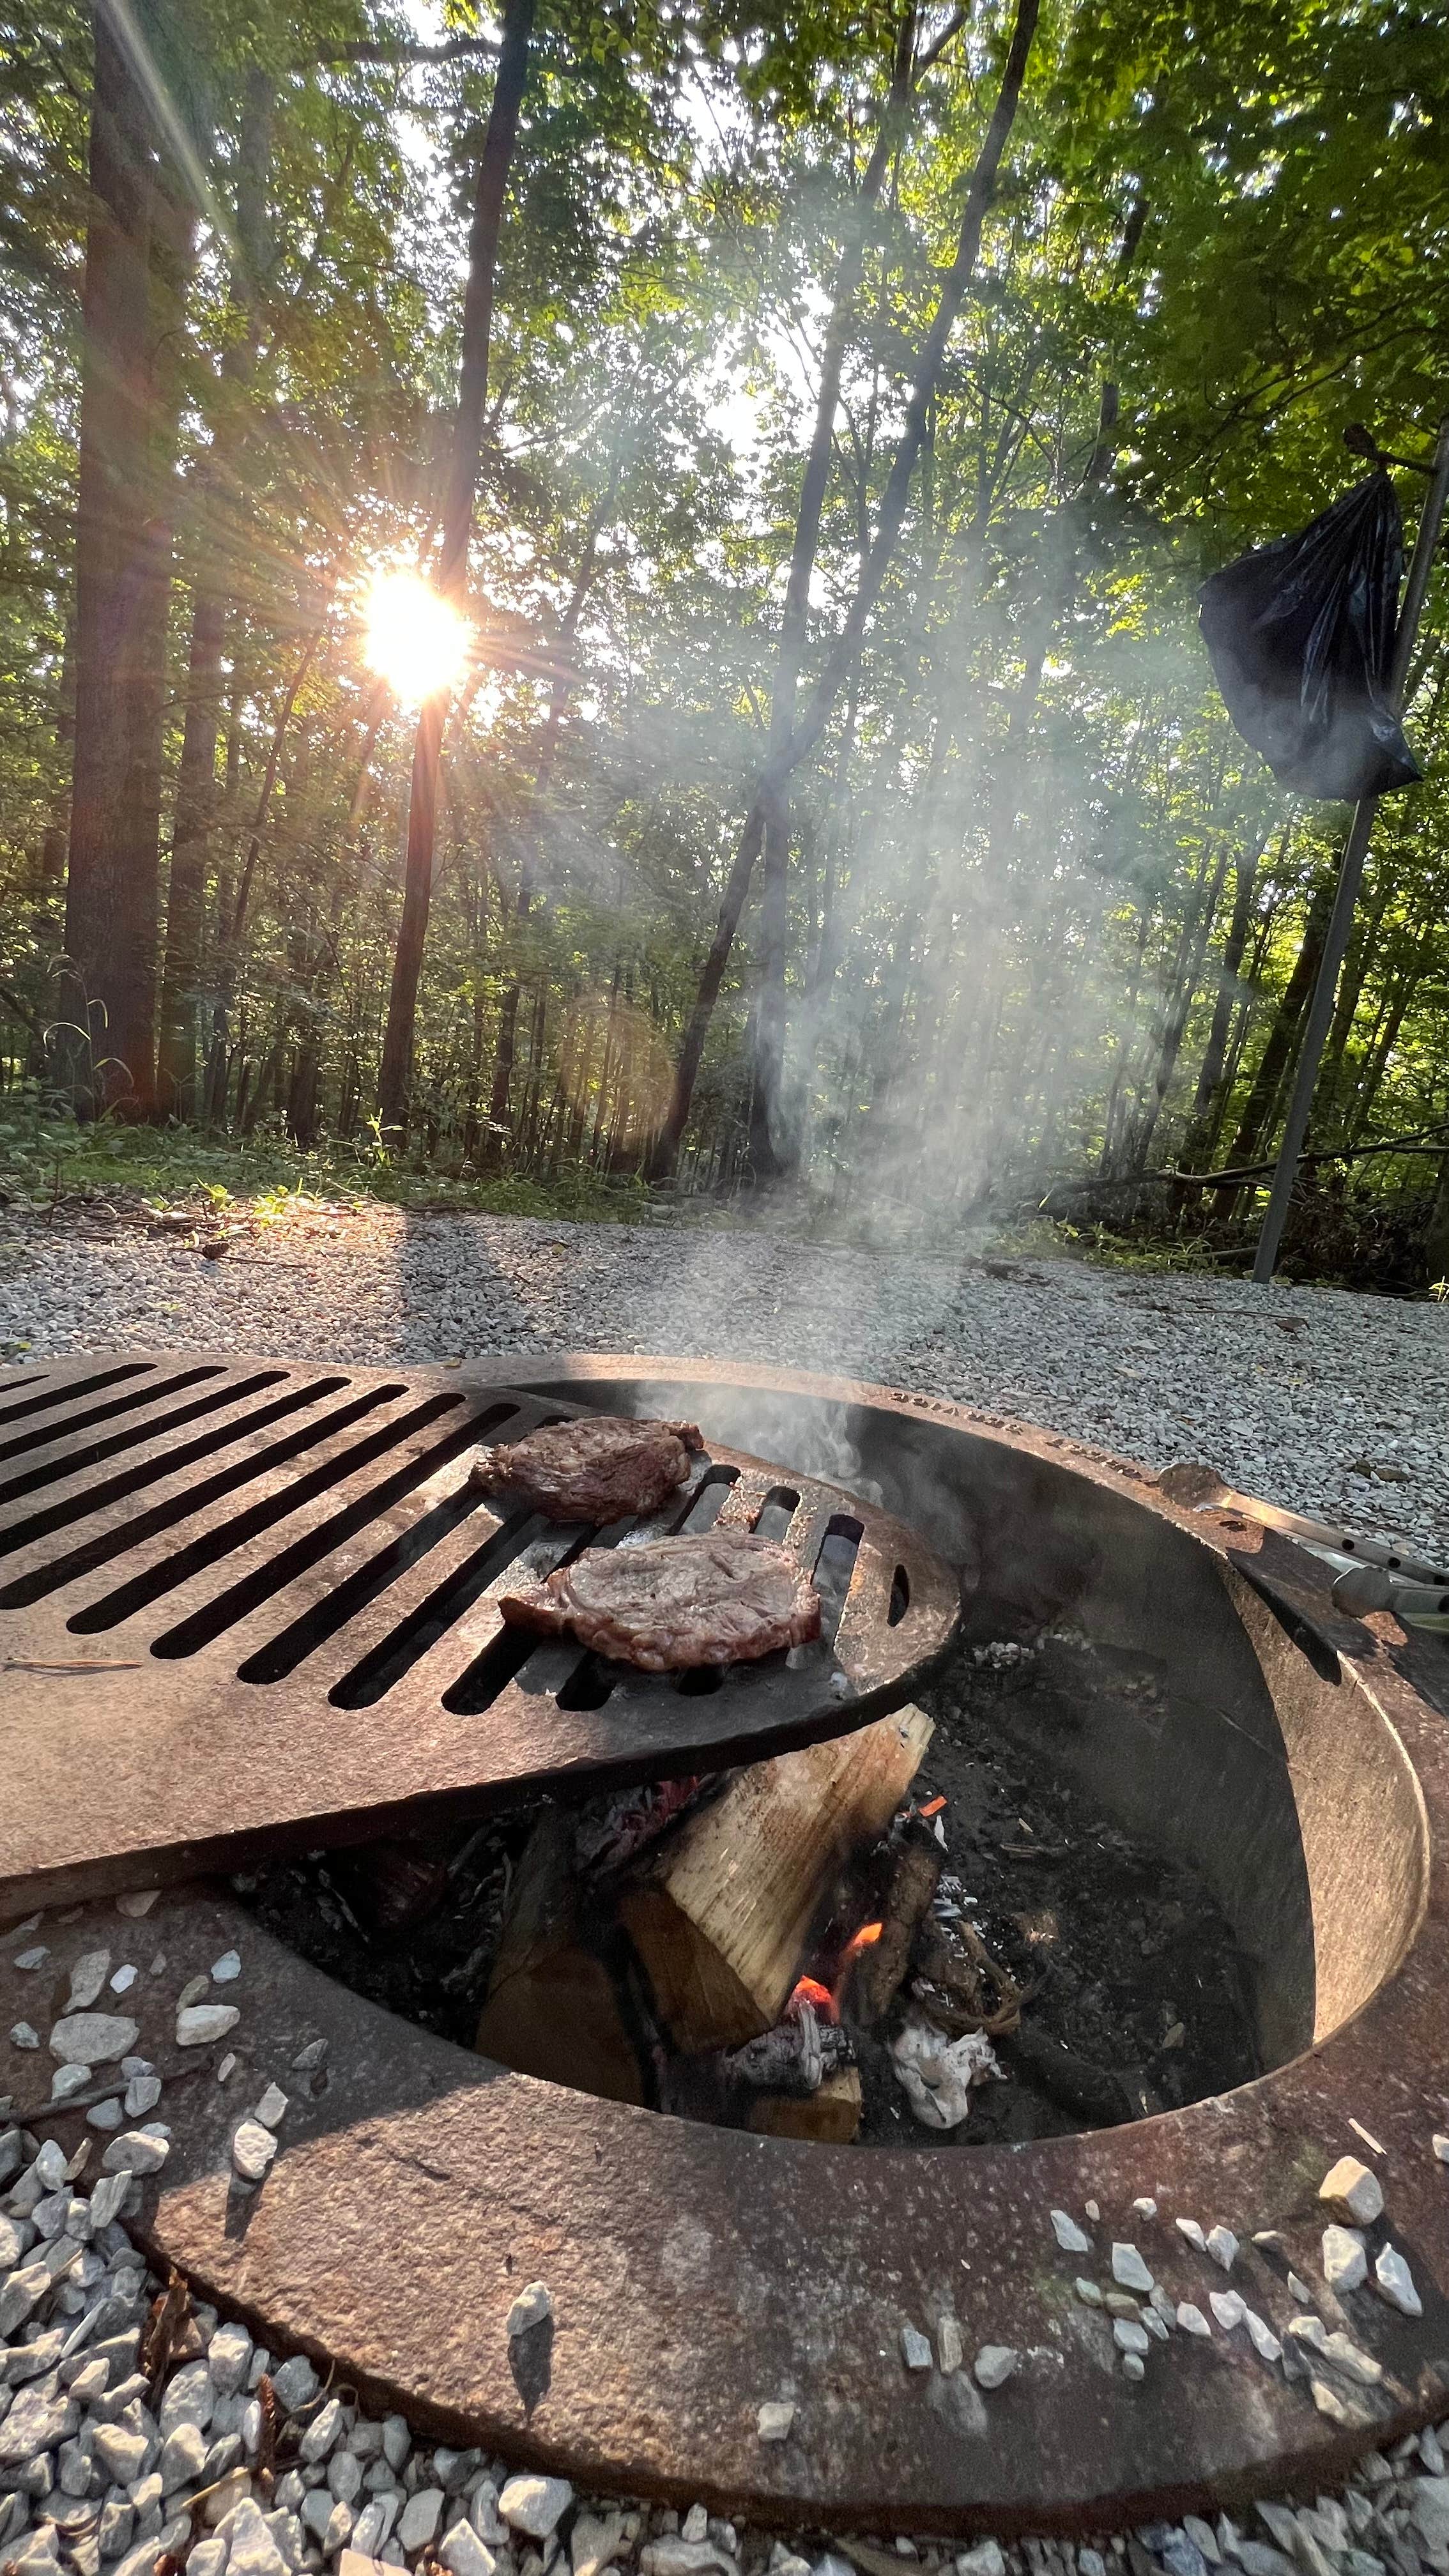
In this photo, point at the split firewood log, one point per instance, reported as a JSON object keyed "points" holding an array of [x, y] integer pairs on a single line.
{"points": [[879, 1971], [722, 1915], [553, 2006]]}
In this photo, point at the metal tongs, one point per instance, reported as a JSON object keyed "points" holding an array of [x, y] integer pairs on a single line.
{"points": [[1369, 1573]]}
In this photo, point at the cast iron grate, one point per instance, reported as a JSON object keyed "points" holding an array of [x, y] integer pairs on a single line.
{"points": [[242, 1600]]}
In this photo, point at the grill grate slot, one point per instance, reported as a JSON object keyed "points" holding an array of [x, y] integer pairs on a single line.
{"points": [[835, 1568], [94, 1453], [370, 1680], [163, 1516], [72, 1388], [239, 1599], [302, 1636], [44, 1433]]}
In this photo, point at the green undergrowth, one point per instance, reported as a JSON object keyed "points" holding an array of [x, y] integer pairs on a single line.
{"points": [[46, 1161]]}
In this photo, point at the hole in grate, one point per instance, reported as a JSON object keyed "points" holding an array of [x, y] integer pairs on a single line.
{"points": [[834, 1567], [705, 1503], [41, 1433], [776, 1512], [589, 1684], [900, 1597], [700, 1681]]}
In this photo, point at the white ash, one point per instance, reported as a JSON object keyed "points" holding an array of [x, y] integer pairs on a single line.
{"points": [[1158, 1369]]}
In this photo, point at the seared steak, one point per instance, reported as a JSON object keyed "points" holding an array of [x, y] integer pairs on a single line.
{"points": [[593, 1470], [722, 1598]]}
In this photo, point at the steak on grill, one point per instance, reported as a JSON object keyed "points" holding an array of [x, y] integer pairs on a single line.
{"points": [[723, 1597], [597, 1469]]}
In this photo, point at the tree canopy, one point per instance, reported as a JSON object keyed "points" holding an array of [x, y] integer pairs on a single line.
{"points": [[1022, 920]]}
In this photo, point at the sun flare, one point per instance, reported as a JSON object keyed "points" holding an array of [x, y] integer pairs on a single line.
{"points": [[414, 640]]}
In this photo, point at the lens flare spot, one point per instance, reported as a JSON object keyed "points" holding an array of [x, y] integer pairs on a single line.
{"points": [[413, 639]]}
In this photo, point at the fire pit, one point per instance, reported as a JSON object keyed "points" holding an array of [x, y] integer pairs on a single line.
{"points": [[700, 2275]]}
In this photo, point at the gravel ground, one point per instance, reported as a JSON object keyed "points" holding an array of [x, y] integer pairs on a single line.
{"points": [[1315, 1398], [138, 2437]]}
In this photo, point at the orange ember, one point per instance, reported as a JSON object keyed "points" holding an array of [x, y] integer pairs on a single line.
{"points": [[864, 1939], [810, 1991]]}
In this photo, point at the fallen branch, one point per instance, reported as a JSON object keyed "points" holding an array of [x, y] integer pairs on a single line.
{"points": [[1415, 1140]]}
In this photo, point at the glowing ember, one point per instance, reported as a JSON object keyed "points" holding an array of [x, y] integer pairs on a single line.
{"points": [[415, 640], [809, 1990], [864, 1939]]}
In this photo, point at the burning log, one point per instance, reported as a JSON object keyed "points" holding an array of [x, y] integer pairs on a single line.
{"points": [[553, 2007], [880, 1970], [722, 1916]]}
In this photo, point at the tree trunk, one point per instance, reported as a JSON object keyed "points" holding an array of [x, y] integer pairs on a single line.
{"points": [[395, 1079], [138, 249], [1207, 1099], [1277, 1055], [211, 587], [838, 666]]}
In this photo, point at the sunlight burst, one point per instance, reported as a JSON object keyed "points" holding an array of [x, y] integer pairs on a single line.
{"points": [[415, 640]]}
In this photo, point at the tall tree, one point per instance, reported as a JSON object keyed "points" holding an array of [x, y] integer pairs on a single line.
{"points": [[139, 247], [495, 161]]}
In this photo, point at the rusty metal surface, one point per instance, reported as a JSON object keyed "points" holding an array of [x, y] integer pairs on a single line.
{"points": [[242, 1600], [697, 2273]]}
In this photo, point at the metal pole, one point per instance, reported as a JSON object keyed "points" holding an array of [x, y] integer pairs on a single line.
{"points": [[1350, 873]]}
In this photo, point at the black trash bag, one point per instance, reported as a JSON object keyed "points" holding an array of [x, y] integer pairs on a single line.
{"points": [[1301, 635]]}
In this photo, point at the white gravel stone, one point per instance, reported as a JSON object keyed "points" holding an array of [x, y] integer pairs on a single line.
{"points": [[87, 1978], [189, 2399], [228, 2359], [136, 2152], [464, 2554], [272, 2108], [421, 2516], [121, 1984], [986, 2559], [200, 2024], [535, 2505], [92, 2039], [1222, 2245], [1071, 2238], [1396, 2282], [916, 2351], [23, 2034], [252, 2150], [1441, 2147], [1089, 2292], [1228, 2308], [1350, 2188], [295, 2383], [1133, 2366], [326, 2428], [183, 2457], [530, 2308], [1345, 2262], [1129, 2337], [227, 1968], [774, 2419], [106, 2115], [137, 1901], [950, 2350], [1129, 2269], [1189, 2228], [142, 2095], [1145, 2207], [1260, 2334], [251, 2549], [994, 2364], [67, 2080]]}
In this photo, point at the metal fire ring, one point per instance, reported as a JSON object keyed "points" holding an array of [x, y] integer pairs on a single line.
{"points": [[697, 2273], [243, 1601]]}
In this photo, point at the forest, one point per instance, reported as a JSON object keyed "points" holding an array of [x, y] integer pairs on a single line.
{"points": [[603, 594]]}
